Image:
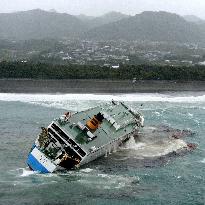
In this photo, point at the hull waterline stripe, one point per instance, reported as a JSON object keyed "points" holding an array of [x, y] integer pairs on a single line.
{"points": [[35, 165]]}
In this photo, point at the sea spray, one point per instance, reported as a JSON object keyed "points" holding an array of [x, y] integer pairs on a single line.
{"points": [[143, 97]]}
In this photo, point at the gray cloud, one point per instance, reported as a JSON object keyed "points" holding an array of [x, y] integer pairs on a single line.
{"points": [[98, 7]]}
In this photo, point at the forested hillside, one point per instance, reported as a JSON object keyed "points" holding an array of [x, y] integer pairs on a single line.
{"points": [[139, 72]]}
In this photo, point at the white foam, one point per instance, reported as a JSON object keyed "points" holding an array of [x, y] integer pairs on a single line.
{"points": [[190, 115], [138, 97], [27, 172], [87, 170], [154, 149], [104, 175], [106, 181], [131, 144]]}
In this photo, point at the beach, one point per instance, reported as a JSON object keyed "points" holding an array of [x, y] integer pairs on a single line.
{"points": [[97, 86]]}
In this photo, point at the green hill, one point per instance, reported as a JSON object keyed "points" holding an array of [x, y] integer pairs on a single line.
{"points": [[107, 19], [194, 19], [39, 24], [153, 26], [149, 26]]}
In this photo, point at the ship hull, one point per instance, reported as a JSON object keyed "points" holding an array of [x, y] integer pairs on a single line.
{"points": [[37, 160], [105, 150]]}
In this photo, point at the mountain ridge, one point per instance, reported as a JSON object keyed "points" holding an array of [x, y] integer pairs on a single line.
{"points": [[194, 19], [148, 25], [37, 24], [98, 21], [153, 26]]}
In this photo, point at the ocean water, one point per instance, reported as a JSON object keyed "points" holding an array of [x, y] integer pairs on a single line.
{"points": [[122, 177]]}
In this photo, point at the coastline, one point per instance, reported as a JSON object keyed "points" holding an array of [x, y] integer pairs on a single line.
{"points": [[97, 86]]}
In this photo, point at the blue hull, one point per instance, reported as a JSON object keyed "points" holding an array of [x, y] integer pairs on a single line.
{"points": [[35, 165]]}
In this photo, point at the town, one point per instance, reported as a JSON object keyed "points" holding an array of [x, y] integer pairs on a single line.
{"points": [[103, 53]]}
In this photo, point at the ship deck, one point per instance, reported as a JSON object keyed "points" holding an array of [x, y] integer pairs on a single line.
{"points": [[119, 122]]}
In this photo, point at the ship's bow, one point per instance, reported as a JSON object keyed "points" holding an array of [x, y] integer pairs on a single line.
{"points": [[37, 161]]}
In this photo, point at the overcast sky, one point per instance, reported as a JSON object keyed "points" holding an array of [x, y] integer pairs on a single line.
{"points": [[99, 7]]}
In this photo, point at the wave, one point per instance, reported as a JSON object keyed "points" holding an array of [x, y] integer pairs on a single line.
{"points": [[27, 172], [154, 148], [138, 97], [99, 180]]}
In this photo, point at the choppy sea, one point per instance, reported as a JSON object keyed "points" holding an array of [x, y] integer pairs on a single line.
{"points": [[120, 178]]}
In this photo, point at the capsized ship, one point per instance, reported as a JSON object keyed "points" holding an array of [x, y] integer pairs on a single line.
{"points": [[73, 140]]}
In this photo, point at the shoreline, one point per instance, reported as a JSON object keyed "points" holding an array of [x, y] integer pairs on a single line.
{"points": [[97, 86]]}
